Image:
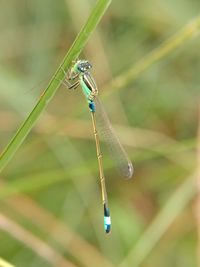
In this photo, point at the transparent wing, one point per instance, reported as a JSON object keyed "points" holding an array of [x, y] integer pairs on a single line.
{"points": [[107, 132]]}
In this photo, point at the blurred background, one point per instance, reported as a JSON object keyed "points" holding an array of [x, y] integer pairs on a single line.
{"points": [[50, 209]]}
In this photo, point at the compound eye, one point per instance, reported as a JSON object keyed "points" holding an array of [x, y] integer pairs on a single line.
{"points": [[80, 68]]}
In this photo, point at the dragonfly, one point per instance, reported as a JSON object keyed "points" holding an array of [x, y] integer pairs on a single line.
{"points": [[80, 75]]}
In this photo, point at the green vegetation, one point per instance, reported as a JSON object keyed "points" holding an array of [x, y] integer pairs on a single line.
{"points": [[146, 62], [73, 53]]}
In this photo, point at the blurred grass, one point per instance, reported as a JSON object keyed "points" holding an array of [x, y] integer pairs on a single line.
{"points": [[3, 263], [156, 120], [181, 37]]}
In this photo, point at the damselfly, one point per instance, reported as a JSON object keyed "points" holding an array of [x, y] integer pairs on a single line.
{"points": [[80, 74]]}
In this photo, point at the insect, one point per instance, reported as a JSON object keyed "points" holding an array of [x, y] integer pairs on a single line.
{"points": [[80, 75]]}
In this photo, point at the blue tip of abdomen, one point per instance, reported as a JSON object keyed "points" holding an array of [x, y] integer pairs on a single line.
{"points": [[107, 224], [107, 220]]}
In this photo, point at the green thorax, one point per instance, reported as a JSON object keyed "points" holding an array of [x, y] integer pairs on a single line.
{"points": [[86, 91]]}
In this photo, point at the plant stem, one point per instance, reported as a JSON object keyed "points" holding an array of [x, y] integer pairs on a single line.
{"points": [[72, 54]]}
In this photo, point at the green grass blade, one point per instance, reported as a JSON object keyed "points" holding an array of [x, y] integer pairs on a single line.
{"points": [[72, 54]]}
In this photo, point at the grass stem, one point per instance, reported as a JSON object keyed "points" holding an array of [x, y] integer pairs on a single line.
{"points": [[51, 89]]}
